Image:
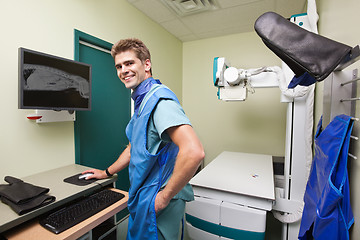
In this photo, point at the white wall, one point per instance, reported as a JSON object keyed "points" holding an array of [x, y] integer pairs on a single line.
{"points": [[256, 125], [48, 26]]}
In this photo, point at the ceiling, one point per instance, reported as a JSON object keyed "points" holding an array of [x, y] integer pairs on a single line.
{"points": [[191, 20]]}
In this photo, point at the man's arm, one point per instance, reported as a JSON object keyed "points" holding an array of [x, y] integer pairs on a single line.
{"points": [[190, 155], [122, 162]]}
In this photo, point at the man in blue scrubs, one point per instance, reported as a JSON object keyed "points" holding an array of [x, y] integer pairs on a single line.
{"points": [[163, 152]]}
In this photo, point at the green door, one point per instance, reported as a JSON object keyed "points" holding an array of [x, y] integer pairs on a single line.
{"points": [[100, 133]]}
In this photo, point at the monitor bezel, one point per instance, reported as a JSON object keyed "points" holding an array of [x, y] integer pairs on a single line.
{"points": [[21, 52]]}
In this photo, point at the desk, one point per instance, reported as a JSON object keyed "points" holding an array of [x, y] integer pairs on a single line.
{"points": [[27, 227]]}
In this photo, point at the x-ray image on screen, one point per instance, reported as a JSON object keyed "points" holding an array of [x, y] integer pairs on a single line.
{"points": [[43, 78]]}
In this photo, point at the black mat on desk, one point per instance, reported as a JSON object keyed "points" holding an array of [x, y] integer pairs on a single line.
{"points": [[80, 182]]}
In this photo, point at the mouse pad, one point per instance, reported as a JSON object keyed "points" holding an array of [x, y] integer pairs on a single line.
{"points": [[80, 182]]}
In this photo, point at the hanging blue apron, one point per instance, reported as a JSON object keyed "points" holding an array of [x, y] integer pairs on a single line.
{"points": [[327, 212], [147, 172]]}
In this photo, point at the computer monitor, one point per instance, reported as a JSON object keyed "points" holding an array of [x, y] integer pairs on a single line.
{"points": [[53, 83]]}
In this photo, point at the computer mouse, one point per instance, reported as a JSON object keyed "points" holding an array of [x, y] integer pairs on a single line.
{"points": [[85, 175]]}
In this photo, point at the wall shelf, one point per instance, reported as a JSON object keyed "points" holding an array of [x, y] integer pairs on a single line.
{"points": [[47, 116]]}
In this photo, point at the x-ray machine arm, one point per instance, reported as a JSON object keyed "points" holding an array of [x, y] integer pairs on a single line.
{"points": [[234, 84]]}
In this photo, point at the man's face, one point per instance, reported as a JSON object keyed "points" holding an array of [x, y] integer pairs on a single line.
{"points": [[131, 70]]}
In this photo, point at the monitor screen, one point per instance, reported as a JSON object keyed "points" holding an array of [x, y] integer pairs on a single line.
{"points": [[53, 83]]}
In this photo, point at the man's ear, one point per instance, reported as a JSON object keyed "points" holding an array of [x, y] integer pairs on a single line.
{"points": [[147, 65]]}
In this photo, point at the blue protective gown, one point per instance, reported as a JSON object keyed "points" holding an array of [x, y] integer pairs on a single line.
{"points": [[327, 212], [147, 172]]}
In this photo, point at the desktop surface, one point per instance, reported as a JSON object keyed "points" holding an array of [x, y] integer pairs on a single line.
{"points": [[64, 193]]}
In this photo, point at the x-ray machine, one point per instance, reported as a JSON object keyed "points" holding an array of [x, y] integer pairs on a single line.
{"points": [[287, 204]]}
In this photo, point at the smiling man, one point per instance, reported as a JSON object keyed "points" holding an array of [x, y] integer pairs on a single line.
{"points": [[164, 151]]}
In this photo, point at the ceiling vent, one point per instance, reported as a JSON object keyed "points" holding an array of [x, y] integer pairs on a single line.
{"points": [[187, 7]]}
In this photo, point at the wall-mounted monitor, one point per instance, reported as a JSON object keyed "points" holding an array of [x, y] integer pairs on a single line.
{"points": [[53, 83]]}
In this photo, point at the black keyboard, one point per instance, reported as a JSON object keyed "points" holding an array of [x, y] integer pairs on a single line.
{"points": [[74, 213]]}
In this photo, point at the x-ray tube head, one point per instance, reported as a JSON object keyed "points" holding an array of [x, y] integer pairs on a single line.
{"points": [[231, 75]]}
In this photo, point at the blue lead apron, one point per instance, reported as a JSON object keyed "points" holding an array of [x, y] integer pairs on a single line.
{"points": [[327, 212], [147, 172]]}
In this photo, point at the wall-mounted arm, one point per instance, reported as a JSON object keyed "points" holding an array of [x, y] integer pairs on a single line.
{"points": [[234, 84]]}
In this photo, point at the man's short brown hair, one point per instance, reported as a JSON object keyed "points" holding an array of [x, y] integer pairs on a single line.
{"points": [[141, 51]]}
